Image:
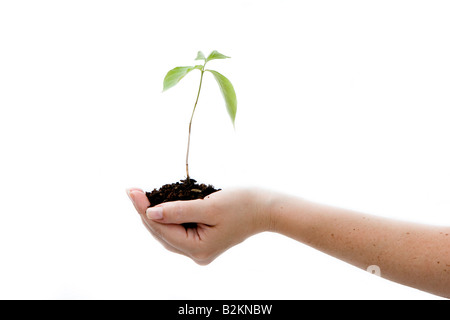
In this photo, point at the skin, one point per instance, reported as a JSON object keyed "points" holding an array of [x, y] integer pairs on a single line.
{"points": [[412, 254]]}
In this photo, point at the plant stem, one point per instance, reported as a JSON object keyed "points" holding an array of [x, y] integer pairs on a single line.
{"points": [[190, 123]]}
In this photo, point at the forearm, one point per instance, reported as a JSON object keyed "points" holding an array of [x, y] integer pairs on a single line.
{"points": [[411, 254]]}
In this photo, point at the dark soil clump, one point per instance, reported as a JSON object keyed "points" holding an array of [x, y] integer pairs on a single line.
{"points": [[184, 190]]}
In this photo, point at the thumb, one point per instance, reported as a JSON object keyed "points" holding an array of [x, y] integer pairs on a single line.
{"points": [[179, 212]]}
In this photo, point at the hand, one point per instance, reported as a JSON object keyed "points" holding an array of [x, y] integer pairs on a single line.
{"points": [[223, 219]]}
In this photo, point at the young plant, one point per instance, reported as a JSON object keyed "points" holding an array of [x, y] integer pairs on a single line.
{"points": [[176, 74]]}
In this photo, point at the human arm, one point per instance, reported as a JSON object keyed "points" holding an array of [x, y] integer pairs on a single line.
{"points": [[411, 254]]}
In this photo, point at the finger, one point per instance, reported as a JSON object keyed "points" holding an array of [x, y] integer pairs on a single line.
{"points": [[179, 212], [163, 242], [139, 199], [129, 190], [183, 239], [173, 237], [141, 203]]}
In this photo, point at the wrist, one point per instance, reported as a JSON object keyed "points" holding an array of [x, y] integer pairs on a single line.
{"points": [[266, 215], [282, 212]]}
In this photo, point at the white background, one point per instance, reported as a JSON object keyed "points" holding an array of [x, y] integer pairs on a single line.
{"points": [[342, 102]]}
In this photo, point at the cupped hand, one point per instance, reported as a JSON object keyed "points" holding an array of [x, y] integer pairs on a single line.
{"points": [[222, 220]]}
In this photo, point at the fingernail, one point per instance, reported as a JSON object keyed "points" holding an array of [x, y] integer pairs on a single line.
{"points": [[155, 213], [129, 194]]}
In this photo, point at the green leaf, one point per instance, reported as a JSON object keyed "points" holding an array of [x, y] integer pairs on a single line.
{"points": [[200, 56], [216, 55], [176, 74], [228, 93]]}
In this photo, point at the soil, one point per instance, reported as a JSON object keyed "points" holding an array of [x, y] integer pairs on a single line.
{"points": [[187, 189]]}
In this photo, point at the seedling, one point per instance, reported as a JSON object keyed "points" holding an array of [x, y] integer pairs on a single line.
{"points": [[176, 74], [188, 189]]}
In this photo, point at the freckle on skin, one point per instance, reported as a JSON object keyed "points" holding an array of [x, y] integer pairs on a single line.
{"points": [[332, 234]]}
